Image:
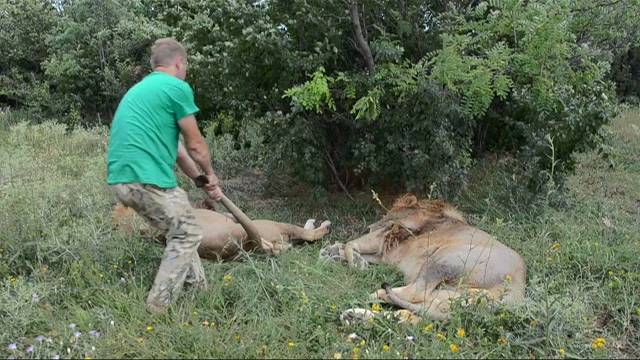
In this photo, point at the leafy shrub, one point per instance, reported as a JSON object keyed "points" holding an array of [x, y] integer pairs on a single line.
{"points": [[528, 80]]}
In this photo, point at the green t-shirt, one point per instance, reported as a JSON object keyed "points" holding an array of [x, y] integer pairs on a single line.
{"points": [[144, 134]]}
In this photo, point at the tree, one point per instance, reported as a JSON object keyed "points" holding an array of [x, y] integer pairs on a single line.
{"points": [[24, 27]]}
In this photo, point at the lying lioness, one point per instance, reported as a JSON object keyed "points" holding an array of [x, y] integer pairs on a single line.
{"points": [[441, 256], [224, 236]]}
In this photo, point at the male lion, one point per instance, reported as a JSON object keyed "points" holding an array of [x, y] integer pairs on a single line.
{"points": [[224, 235], [440, 255]]}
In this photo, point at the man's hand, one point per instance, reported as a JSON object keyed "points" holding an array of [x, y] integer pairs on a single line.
{"points": [[210, 184], [215, 193], [212, 180], [212, 187]]}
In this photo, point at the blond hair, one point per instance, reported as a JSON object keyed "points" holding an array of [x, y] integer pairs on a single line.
{"points": [[165, 50]]}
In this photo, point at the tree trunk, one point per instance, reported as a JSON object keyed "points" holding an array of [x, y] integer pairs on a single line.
{"points": [[362, 44]]}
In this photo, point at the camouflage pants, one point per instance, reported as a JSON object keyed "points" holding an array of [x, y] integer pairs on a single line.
{"points": [[169, 211]]}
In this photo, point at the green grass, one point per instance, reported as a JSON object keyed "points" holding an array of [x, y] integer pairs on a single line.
{"points": [[61, 264]]}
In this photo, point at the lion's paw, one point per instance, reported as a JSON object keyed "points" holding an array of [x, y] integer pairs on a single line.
{"points": [[359, 262], [353, 316], [310, 224], [333, 252], [275, 247], [325, 224]]}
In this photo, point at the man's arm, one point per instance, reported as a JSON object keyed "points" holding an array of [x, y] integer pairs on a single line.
{"points": [[198, 150], [186, 163], [195, 144]]}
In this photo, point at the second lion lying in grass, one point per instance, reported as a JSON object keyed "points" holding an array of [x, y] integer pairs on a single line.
{"points": [[225, 236], [441, 256]]}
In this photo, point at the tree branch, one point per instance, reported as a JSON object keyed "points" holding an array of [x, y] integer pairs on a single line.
{"points": [[363, 46], [335, 174]]}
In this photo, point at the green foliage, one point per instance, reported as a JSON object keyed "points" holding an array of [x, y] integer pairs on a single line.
{"points": [[476, 78], [610, 26], [97, 51], [24, 26], [312, 95], [521, 74], [516, 71], [425, 141], [626, 73], [368, 106]]}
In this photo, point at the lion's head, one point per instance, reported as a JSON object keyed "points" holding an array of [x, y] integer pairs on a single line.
{"points": [[415, 214], [409, 217]]}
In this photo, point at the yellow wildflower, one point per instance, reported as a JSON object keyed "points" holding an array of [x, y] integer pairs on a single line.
{"points": [[454, 348], [507, 278], [291, 344], [87, 357], [149, 328], [337, 355], [440, 336], [362, 342], [561, 352], [427, 328], [502, 341], [13, 280], [598, 343], [555, 247], [227, 279], [460, 333], [237, 337], [385, 348], [376, 308], [333, 307]]}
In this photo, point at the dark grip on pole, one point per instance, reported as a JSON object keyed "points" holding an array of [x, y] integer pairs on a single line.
{"points": [[201, 181]]}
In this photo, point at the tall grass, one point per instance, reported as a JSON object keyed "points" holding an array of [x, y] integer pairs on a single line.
{"points": [[67, 276]]}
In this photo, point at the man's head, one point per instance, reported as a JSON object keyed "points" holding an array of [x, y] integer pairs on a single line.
{"points": [[169, 55]]}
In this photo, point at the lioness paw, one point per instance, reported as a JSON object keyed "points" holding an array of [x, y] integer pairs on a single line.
{"points": [[310, 224]]}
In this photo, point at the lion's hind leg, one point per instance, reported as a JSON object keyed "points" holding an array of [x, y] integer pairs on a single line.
{"points": [[369, 244], [307, 233], [436, 305]]}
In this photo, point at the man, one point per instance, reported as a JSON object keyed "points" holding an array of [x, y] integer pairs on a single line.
{"points": [[143, 149]]}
